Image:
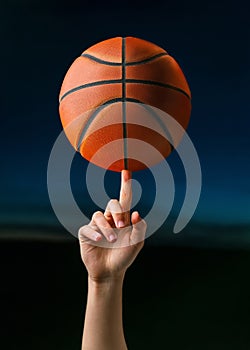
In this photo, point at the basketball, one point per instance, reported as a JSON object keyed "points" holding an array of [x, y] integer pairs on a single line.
{"points": [[114, 100]]}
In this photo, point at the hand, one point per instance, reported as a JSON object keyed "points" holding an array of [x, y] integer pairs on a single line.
{"points": [[111, 241]]}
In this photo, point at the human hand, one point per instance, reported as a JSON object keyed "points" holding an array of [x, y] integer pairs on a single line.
{"points": [[111, 241]]}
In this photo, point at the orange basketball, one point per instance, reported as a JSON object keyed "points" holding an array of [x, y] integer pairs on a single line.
{"points": [[114, 100]]}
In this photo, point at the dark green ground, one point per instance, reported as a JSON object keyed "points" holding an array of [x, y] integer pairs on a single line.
{"points": [[174, 298]]}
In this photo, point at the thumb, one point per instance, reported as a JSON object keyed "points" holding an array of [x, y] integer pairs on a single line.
{"points": [[139, 228]]}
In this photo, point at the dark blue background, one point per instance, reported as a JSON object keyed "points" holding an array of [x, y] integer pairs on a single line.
{"points": [[211, 43]]}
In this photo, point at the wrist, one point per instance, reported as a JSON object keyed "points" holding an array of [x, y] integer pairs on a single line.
{"points": [[106, 281]]}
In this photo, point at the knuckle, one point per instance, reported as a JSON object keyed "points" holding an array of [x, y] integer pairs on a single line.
{"points": [[82, 231], [97, 214], [114, 207], [113, 202]]}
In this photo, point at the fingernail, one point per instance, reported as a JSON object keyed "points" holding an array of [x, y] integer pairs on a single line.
{"points": [[120, 223], [112, 238], [97, 236]]}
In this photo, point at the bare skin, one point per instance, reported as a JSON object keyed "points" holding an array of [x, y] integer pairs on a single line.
{"points": [[103, 327]]}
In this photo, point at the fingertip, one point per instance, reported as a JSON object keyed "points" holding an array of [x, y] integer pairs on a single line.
{"points": [[135, 217], [112, 238], [97, 237], [120, 224]]}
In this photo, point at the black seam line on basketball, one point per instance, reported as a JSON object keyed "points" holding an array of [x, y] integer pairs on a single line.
{"points": [[117, 81], [158, 119], [158, 83], [133, 63], [94, 114], [124, 124], [110, 102], [95, 83]]}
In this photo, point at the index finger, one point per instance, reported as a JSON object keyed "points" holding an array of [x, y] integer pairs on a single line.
{"points": [[125, 198]]}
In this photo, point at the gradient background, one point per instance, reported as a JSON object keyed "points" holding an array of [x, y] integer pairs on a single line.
{"points": [[189, 290]]}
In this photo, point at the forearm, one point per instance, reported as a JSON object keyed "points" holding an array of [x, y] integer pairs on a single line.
{"points": [[103, 327]]}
